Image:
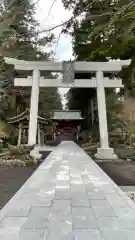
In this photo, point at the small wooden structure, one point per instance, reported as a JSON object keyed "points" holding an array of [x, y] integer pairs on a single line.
{"points": [[66, 124], [22, 120]]}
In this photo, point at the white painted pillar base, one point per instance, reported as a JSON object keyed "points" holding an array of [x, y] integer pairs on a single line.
{"points": [[19, 136], [39, 135], [105, 152], [35, 153], [34, 108]]}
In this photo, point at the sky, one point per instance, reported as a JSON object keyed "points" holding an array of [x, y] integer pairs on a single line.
{"points": [[57, 15]]}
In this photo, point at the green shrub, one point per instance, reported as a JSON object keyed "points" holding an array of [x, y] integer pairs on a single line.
{"points": [[17, 156], [129, 154], [15, 151], [19, 151], [29, 162], [12, 163]]}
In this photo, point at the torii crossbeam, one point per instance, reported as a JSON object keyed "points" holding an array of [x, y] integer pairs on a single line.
{"points": [[78, 83]]}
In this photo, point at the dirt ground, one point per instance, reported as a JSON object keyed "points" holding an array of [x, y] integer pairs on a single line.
{"points": [[11, 179], [122, 173]]}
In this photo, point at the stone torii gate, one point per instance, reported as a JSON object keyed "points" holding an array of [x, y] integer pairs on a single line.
{"points": [[68, 69]]}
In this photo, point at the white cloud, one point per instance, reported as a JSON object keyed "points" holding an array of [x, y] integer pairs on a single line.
{"points": [[57, 15]]}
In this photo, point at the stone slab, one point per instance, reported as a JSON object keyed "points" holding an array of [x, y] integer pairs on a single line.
{"points": [[84, 218], [87, 234], [68, 197], [37, 218]]}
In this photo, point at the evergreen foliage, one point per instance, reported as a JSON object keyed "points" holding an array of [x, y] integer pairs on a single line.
{"points": [[19, 38], [99, 29]]}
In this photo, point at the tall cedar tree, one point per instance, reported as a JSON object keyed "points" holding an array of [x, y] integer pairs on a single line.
{"points": [[99, 35], [19, 39]]}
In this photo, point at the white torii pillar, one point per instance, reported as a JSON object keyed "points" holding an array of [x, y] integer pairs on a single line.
{"points": [[34, 108], [104, 152]]}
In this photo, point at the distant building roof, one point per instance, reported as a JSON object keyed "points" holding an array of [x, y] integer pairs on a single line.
{"points": [[67, 115], [25, 116]]}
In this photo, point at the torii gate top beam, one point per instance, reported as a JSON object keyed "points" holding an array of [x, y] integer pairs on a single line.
{"points": [[51, 66]]}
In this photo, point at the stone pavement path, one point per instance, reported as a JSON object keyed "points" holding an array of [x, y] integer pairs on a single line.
{"points": [[68, 198]]}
